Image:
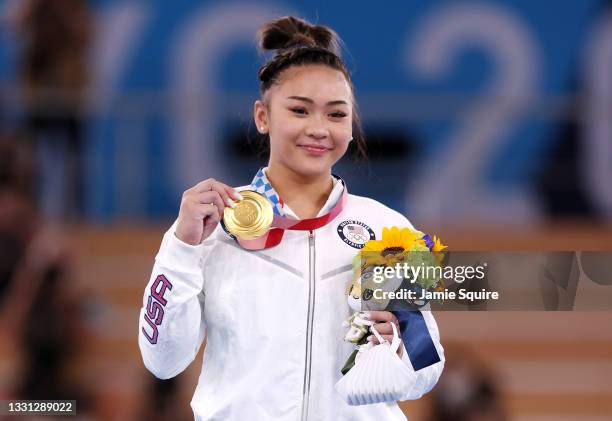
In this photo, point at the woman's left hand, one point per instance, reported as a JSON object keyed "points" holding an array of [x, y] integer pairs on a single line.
{"points": [[383, 320]]}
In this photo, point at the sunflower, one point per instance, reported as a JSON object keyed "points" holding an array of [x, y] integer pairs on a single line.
{"points": [[386, 260], [438, 246], [394, 241]]}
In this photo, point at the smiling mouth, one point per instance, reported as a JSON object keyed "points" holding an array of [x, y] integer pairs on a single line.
{"points": [[316, 149]]}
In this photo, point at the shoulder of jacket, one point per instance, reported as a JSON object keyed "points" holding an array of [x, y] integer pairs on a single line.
{"points": [[370, 206]]}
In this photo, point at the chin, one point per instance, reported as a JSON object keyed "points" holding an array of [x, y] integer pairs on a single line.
{"points": [[310, 169]]}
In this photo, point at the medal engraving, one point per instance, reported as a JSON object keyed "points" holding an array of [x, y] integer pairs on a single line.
{"points": [[245, 213]]}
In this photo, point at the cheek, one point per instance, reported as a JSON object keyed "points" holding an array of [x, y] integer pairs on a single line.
{"points": [[341, 138], [284, 137], [340, 151]]}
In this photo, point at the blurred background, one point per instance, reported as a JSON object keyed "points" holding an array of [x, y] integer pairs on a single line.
{"points": [[488, 123]]}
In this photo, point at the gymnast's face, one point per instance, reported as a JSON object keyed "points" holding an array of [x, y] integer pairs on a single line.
{"points": [[308, 116]]}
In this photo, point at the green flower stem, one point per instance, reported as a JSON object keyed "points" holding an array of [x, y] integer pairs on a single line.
{"points": [[350, 362]]}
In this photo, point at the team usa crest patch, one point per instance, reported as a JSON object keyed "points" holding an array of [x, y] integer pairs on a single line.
{"points": [[355, 233]]}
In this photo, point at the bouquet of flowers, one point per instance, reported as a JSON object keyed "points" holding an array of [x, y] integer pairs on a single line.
{"points": [[398, 246]]}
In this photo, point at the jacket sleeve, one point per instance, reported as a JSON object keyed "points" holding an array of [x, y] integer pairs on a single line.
{"points": [[427, 377], [171, 324]]}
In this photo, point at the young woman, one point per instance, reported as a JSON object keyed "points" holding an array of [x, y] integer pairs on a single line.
{"points": [[272, 310]]}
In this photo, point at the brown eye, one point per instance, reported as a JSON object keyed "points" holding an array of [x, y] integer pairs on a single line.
{"points": [[338, 114], [299, 110]]}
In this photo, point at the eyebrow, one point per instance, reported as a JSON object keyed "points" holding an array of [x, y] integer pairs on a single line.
{"points": [[306, 99]]}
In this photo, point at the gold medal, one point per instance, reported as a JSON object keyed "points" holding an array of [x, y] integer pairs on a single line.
{"points": [[251, 218]]}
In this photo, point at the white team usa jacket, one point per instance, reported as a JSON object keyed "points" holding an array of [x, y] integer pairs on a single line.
{"points": [[272, 318]]}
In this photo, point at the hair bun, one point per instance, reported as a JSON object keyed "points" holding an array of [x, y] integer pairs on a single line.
{"points": [[289, 31]]}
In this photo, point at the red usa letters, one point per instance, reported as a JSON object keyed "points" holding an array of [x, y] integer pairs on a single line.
{"points": [[155, 307]]}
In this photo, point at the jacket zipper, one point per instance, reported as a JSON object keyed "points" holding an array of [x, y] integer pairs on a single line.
{"points": [[309, 322]]}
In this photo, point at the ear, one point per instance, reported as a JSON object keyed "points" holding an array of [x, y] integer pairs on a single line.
{"points": [[260, 116]]}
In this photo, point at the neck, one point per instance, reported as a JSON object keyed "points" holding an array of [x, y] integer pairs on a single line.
{"points": [[305, 195]]}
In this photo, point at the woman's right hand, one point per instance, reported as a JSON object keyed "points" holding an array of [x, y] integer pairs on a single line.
{"points": [[202, 208]]}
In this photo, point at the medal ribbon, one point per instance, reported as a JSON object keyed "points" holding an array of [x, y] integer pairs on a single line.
{"points": [[280, 222]]}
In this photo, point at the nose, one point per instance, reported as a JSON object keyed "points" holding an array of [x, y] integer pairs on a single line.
{"points": [[317, 129]]}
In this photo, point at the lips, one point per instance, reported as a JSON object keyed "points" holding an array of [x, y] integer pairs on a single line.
{"points": [[314, 149]]}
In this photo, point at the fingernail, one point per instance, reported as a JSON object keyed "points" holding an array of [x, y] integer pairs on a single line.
{"points": [[231, 203], [237, 195], [371, 338]]}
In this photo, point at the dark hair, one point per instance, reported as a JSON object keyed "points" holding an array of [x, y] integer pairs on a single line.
{"points": [[299, 43]]}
